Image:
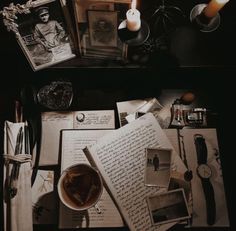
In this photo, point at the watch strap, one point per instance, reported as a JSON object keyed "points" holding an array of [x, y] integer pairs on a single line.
{"points": [[201, 149], [210, 201]]}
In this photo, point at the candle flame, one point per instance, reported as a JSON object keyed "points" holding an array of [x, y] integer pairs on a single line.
{"points": [[133, 4]]}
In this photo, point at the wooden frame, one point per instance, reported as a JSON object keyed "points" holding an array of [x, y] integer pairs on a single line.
{"points": [[40, 50]]}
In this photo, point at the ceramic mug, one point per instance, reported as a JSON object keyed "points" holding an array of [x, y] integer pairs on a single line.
{"points": [[80, 187]]}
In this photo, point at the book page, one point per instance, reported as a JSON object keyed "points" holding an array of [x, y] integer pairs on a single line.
{"points": [[73, 141], [54, 122], [120, 157]]}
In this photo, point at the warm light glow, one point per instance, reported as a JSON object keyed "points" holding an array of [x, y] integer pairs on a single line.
{"points": [[133, 21], [133, 4], [213, 7]]}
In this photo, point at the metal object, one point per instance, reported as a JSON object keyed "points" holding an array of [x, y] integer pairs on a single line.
{"points": [[196, 117], [195, 16], [177, 114], [165, 17]]}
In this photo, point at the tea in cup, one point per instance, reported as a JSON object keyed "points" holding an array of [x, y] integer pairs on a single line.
{"points": [[80, 187]]}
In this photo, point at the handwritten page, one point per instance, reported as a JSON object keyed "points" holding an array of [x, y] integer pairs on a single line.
{"points": [[54, 122], [120, 157], [73, 142]]}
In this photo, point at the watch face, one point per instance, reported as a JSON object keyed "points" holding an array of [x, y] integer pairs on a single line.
{"points": [[204, 171]]}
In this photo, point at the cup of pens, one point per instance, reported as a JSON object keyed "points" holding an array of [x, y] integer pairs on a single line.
{"points": [[80, 187]]}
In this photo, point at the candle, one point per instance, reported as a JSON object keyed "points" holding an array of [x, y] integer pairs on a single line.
{"points": [[213, 7], [133, 21]]}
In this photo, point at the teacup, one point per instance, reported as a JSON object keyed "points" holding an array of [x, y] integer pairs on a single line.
{"points": [[80, 187]]}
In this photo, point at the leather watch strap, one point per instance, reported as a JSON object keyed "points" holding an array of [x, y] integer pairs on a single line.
{"points": [[201, 149], [210, 201]]}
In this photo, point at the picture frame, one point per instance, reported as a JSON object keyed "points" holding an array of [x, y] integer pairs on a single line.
{"points": [[103, 28], [170, 206], [41, 31], [158, 167], [86, 14]]}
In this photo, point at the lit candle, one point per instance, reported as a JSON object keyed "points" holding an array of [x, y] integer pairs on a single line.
{"points": [[213, 7], [133, 21]]}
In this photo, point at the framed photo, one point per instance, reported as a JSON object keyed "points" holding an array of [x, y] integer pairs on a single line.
{"points": [[157, 168], [168, 207], [103, 28], [41, 31], [96, 26]]}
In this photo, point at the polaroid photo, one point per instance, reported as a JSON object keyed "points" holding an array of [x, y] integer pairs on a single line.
{"points": [[42, 32], [157, 167], [103, 28], [168, 207]]}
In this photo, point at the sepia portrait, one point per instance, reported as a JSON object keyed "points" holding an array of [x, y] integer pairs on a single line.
{"points": [[103, 28], [42, 33]]}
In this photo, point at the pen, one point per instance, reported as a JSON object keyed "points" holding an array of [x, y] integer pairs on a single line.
{"points": [[16, 166]]}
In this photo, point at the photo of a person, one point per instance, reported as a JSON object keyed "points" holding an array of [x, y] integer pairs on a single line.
{"points": [[155, 162], [157, 169], [103, 28], [43, 32], [48, 34]]}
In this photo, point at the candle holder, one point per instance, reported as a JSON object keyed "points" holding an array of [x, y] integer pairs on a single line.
{"points": [[204, 23], [133, 38]]}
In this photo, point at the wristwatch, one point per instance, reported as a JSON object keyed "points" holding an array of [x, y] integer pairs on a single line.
{"points": [[204, 172]]}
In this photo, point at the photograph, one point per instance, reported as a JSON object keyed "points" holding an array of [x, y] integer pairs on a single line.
{"points": [[43, 35], [103, 28], [168, 207], [96, 28], [157, 167]]}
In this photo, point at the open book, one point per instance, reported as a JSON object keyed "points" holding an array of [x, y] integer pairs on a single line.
{"points": [[120, 157], [54, 122], [73, 142]]}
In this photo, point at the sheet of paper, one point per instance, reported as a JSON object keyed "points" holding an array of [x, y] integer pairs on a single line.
{"points": [[103, 119], [120, 157], [199, 206], [54, 122], [73, 142], [44, 198]]}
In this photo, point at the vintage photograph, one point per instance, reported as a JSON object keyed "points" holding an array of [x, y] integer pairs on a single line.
{"points": [[157, 169], [168, 207], [103, 28], [96, 27], [42, 33]]}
